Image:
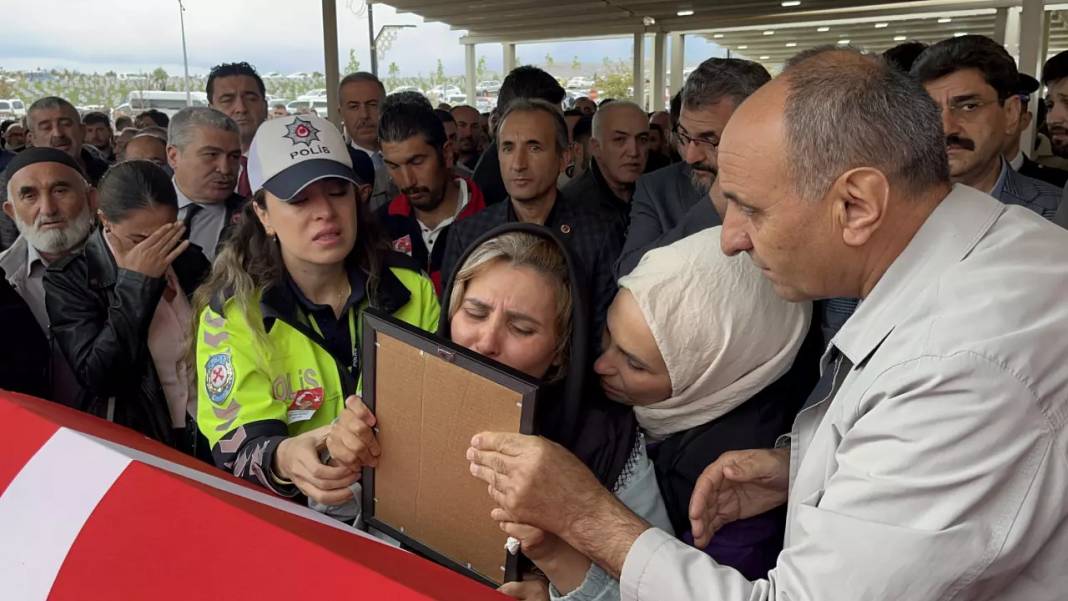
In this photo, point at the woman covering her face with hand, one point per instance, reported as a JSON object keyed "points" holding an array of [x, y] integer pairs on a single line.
{"points": [[120, 308]]}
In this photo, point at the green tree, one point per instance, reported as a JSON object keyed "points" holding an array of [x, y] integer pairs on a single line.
{"points": [[439, 73], [615, 80], [549, 62], [394, 74], [159, 77], [480, 68], [354, 63], [576, 64]]}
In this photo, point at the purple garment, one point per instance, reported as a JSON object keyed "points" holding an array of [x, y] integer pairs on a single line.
{"points": [[750, 546]]}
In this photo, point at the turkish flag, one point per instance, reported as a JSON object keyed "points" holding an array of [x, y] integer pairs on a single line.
{"points": [[90, 510]]}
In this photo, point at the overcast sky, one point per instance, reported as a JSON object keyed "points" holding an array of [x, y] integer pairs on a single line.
{"points": [[274, 35]]}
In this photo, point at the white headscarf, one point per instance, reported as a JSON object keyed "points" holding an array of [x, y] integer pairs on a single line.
{"points": [[723, 332]]}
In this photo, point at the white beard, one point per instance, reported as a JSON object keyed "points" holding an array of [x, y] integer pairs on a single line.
{"points": [[58, 241]]}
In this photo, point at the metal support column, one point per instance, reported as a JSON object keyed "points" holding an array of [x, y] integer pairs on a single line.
{"points": [[330, 52], [678, 57], [639, 68], [470, 72], [657, 93], [509, 58], [1032, 37]]}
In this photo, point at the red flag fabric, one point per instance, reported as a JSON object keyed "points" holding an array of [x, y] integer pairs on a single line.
{"points": [[90, 510]]}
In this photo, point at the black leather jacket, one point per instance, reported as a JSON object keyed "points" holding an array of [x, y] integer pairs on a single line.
{"points": [[100, 317]]}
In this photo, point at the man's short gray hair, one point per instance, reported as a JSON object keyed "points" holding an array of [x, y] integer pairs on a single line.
{"points": [[845, 109], [49, 103], [717, 79], [599, 116], [184, 123]]}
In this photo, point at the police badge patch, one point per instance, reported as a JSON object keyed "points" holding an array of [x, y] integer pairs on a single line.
{"points": [[301, 132], [219, 377]]}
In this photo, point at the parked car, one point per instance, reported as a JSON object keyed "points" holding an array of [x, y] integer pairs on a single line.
{"points": [[7, 110], [444, 91], [166, 102], [489, 87], [319, 105], [17, 107], [579, 83]]}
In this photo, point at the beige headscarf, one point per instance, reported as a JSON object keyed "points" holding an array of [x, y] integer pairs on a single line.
{"points": [[721, 328]]}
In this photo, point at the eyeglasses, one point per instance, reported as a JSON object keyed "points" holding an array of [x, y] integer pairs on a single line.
{"points": [[686, 138]]}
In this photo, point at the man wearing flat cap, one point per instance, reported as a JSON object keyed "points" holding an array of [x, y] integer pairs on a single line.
{"points": [[52, 205]]}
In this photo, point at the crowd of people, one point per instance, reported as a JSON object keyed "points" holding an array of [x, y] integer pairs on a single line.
{"points": [[799, 337]]}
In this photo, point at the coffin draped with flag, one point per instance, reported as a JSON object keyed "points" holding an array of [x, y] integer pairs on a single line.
{"points": [[90, 510]]}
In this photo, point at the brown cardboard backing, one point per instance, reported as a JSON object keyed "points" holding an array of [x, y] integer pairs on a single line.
{"points": [[427, 411]]}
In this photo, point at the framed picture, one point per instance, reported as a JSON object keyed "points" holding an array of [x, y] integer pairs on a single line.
{"points": [[430, 397]]}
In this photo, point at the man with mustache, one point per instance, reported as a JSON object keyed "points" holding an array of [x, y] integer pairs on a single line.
{"points": [[52, 205], [204, 150], [237, 90], [1055, 78], [974, 81], [468, 133], [361, 96], [54, 123], [98, 134], [1012, 151], [620, 149], [673, 202], [420, 159]]}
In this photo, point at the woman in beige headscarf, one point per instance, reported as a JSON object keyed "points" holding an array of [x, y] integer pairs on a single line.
{"points": [[712, 361], [708, 355]]}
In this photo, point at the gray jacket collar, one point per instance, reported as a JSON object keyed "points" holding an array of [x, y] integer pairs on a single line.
{"points": [[954, 228], [13, 262]]}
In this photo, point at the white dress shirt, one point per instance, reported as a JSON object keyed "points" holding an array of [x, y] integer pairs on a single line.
{"points": [[940, 468]]}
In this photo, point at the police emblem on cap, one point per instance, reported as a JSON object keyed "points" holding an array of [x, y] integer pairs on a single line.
{"points": [[301, 132]]}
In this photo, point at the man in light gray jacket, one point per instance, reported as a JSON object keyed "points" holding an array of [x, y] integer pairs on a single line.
{"points": [[931, 462]]}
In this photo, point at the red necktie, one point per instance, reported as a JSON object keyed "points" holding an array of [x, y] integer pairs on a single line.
{"points": [[243, 187]]}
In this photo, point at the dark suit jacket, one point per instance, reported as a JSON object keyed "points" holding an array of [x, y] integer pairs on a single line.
{"points": [[1038, 196], [1050, 175], [488, 176], [591, 190], [666, 208], [1061, 218]]}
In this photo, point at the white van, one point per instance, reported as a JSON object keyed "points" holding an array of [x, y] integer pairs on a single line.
{"points": [[165, 102]]}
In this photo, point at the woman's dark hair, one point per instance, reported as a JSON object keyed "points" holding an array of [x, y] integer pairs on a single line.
{"points": [[251, 261], [134, 185]]}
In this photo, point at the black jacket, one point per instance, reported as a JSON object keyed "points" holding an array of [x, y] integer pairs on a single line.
{"points": [[488, 176], [750, 545], [25, 358], [592, 191], [100, 317], [1050, 175]]}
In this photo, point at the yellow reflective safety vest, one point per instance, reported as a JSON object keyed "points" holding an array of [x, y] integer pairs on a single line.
{"points": [[250, 396]]}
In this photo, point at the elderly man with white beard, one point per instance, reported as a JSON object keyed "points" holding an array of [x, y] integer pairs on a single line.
{"points": [[52, 205]]}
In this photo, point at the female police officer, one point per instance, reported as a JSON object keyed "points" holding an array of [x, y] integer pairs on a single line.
{"points": [[277, 339]]}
